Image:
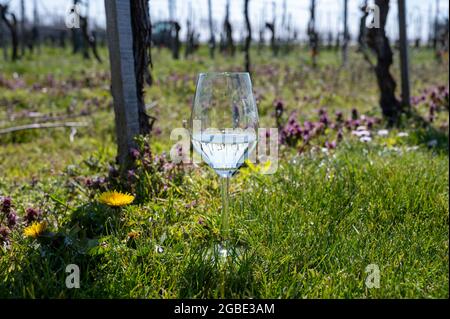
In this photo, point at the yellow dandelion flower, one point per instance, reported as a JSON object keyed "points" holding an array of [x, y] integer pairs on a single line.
{"points": [[116, 199], [133, 235], [261, 168], [35, 230], [266, 166]]}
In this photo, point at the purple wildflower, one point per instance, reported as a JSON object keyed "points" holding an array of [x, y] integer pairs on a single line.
{"points": [[180, 150], [340, 135], [322, 111], [88, 182], [339, 116], [319, 127], [113, 172], [191, 204], [370, 122], [291, 132], [348, 124], [11, 218], [330, 145], [31, 215], [432, 108], [308, 126], [131, 175], [279, 107], [157, 131], [324, 119], [135, 153], [355, 123], [4, 232], [306, 137], [6, 204]]}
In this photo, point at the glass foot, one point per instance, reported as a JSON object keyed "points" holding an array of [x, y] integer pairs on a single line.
{"points": [[223, 252]]}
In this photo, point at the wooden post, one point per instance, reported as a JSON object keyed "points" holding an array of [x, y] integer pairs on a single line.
{"points": [[123, 77], [404, 61]]}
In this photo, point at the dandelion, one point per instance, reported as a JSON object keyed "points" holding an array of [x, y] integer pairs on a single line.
{"points": [[116, 199], [133, 235], [262, 168], [35, 230]]}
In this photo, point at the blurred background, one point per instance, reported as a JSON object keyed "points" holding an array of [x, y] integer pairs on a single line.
{"points": [[291, 17]]}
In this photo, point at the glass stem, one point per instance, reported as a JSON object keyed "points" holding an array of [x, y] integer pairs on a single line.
{"points": [[225, 184]]}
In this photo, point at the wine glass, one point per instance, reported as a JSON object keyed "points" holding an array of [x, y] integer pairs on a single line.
{"points": [[224, 121]]}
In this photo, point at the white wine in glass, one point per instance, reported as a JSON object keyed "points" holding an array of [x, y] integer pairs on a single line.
{"points": [[224, 125]]}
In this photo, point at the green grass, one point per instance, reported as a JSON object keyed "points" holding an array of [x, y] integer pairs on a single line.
{"points": [[307, 231]]}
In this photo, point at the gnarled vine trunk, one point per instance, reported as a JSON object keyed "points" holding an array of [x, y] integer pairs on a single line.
{"points": [[142, 32], [12, 27], [248, 39], [379, 44], [230, 47], [312, 33]]}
